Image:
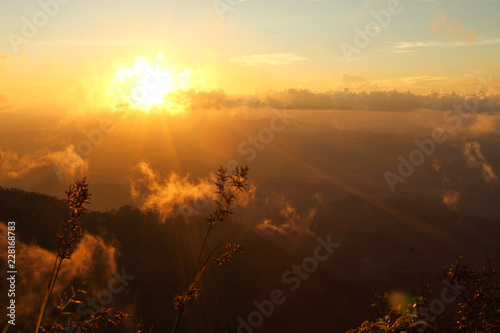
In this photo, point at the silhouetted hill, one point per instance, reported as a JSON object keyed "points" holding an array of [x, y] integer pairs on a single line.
{"points": [[161, 257], [386, 244]]}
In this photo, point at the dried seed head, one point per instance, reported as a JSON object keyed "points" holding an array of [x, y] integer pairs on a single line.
{"points": [[227, 257], [70, 234]]}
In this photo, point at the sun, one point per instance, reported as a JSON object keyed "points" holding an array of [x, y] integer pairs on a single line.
{"points": [[145, 84]]}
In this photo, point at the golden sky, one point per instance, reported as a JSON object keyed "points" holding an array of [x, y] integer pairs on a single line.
{"points": [[57, 54]]}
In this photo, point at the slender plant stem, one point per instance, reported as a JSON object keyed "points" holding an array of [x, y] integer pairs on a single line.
{"points": [[222, 211], [196, 276], [45, 299], [204, 243], [50, 288], [176, 324]]}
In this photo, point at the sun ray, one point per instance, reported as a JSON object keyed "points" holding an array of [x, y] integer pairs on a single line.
{"points": [[413, 221]]}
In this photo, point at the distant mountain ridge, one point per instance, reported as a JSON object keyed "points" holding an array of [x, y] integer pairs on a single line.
{"points": [[385, 245]]}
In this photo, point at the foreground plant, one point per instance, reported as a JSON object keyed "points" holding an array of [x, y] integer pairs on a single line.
{"points": [[71, 322], [479, 302], [68, 238], [227, 187], [476, 310]]}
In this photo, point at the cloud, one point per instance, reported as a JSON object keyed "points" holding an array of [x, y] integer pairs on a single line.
{"points": [[451, 199], [444, 26], [375, 100], [267, 59], [286, 220], [92, 258], [476, 159], [166, 195], [482, 124], [448, 44], [423, 79], [65, 162]]}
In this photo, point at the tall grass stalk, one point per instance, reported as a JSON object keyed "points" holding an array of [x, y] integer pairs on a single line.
{"points": [[68, 237], [227, 186]]}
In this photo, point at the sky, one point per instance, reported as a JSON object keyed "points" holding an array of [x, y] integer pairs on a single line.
{"points": [[55, 51]]}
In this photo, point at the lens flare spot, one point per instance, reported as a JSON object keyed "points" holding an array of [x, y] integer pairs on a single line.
{"points": [[399, 301]]}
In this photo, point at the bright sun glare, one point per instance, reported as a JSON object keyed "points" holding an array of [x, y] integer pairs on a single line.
{"points": [[145, 85]]}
